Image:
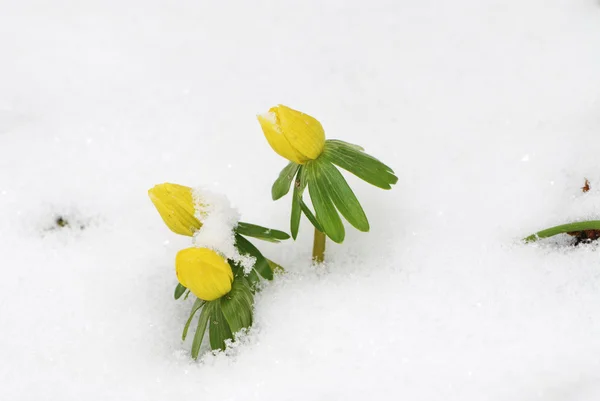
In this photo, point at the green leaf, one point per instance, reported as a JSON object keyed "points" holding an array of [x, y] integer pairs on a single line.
{"points": [[327, 215], [310, 216], [282, 184], [253, 279], [259, 232], [179, 291], [346, 144], [364, 166], [219, 329], [296, 199], [261, 266], [199, 335], [564, 228], [298, 205], [343, 197], [277, 268], [197, 305], [237, 305], [357, 151]]}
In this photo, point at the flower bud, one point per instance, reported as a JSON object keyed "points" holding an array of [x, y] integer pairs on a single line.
{"points": [[204, 272], [292, 134], [176, 207]]}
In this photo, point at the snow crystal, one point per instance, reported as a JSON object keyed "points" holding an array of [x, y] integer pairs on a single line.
{"points": [[218, 220]]}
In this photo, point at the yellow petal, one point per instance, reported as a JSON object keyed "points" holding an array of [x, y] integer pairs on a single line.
{"points": [[175, 205], [304, 133], [204, 272], [277, 140]]}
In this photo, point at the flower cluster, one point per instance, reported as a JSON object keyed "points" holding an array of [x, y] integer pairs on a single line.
{"points": [[203, 271], [224, 278], [219, 278]]}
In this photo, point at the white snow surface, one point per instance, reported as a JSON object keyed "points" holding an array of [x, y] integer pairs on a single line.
{"points": [[488, 110]]}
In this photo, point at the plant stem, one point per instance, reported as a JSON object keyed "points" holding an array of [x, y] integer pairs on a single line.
{"points": [[319, 246]]}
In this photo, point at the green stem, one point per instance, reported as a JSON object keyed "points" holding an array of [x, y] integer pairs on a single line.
{"points": [[565, 228], [319, 246]]}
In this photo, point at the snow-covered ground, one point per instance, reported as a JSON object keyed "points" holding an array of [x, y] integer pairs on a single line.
{"points": [[488, 110]]}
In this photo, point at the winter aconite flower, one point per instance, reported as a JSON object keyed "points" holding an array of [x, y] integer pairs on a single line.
{"points": [[175, 204], [314, 165], [204, 272], [292, 134]]}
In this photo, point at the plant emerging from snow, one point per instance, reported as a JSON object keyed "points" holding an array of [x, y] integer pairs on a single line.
{"points": [[300, 138], [583, 231], [223, 268]]}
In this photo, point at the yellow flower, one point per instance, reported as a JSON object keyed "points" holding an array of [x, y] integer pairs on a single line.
{"points": [[204, 272], [292, 134], [176, 207]]}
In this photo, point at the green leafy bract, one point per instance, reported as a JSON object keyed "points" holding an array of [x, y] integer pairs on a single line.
{"points": [[296, 200], [310, 216], [237, 305], [261, 266], [179, 291], [353, 159], [218, 329], [259, 232], [282, 184], [325, 210], [342, 196], [197, 305], [202, 322]]}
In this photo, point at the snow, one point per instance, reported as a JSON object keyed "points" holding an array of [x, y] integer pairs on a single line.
{"points": [[580, 206], [218, 220], [270, 117], [487, 110]]}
